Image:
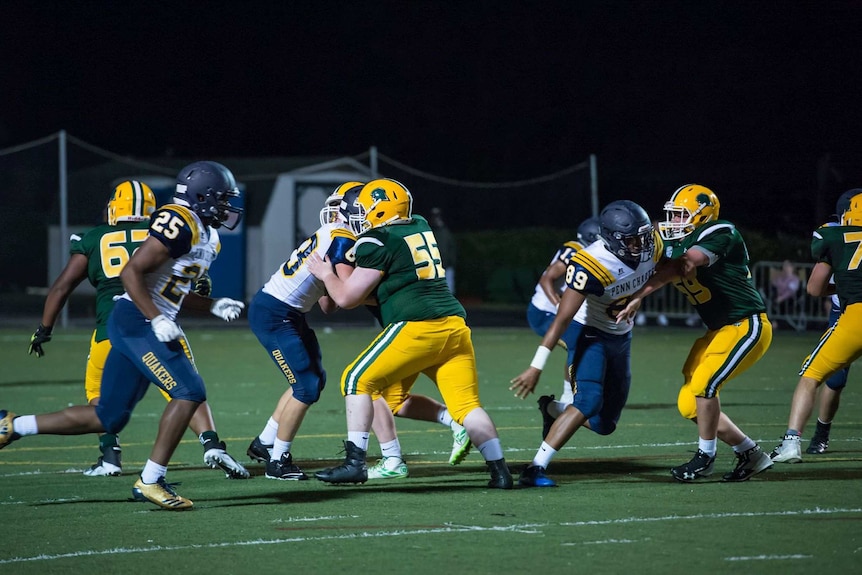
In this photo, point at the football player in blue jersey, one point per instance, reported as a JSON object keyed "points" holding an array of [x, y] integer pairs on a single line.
{"points": [[148, 346], [542, 310], [98, 256], [604, 274]]}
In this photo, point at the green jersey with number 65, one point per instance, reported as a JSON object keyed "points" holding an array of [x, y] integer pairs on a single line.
{"points": [[107, 249], [413, 287], [722, 291], [841, 248]]}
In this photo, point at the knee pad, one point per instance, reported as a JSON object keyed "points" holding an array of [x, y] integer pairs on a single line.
{"points": [[838, 380], [686, 403], [113, 422], [588, 398], [602, 426], [310, 393]]}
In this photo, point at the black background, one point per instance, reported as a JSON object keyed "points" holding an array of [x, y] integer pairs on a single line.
{"points": [[746, 97]]}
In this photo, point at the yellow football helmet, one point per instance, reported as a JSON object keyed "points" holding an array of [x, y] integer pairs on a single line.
{"points": [[330, 210], [690, 207], [852, 216], [381, 203], [132, 201]]}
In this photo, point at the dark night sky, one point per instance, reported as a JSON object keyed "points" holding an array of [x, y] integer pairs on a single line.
{"points": [[473, 90]]}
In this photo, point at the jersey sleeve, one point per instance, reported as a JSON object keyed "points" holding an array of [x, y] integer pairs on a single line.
{"points": [[175, 228], [819, 249], [371, 254], [717, 239], [341, 248], [587, 275], [76, 245]]}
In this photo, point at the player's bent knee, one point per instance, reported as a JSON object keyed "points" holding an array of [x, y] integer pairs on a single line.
{"points": [[602, 427], [686, 403], [113, 422]]}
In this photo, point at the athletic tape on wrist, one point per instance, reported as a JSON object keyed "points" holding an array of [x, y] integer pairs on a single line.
{"points": [[540, 358]]}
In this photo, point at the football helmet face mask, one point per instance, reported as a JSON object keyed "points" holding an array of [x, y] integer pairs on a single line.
{"points": [[381, 203], [132, 201], [331, 208], [206, 188], [589, 230], [627, 232], [852, 216], [690, 207]]}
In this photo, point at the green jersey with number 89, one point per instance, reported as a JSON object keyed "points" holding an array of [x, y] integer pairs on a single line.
{"points": [[107, 249], [413, 287]]}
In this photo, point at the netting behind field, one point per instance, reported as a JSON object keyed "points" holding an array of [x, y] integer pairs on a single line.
{"points": [[30, 179]]}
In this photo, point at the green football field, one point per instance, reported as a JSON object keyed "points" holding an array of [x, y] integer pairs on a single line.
{"points": [[616, 509]]}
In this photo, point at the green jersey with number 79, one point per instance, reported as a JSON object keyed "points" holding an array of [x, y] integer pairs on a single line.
{"points": [[722, 291]]}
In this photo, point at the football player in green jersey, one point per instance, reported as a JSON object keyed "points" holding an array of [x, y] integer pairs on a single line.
{"points": [[398, 261], [838, 252], [707, 260], [98, 255]]}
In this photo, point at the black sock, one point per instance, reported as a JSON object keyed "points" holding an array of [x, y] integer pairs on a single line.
{"points": [[823, 429], [209, 439]]}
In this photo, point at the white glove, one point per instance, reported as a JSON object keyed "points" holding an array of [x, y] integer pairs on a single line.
{"points": [[165, 329], [226, 308]]}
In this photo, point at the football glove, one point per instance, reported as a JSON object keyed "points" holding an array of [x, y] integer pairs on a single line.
{"points": [[226, 308], [40, 336], [203, 286], [165, 329]]}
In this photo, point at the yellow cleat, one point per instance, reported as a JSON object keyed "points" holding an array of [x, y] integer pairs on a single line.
{"points": [[160, 493]]}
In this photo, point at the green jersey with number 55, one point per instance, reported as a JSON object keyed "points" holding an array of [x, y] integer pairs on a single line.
{"points": [[107, 249], [413, 287], [722, 292], [841, 248]]}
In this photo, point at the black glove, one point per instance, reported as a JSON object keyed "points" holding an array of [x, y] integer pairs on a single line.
{"points": [[203, 286], [42, 335]]}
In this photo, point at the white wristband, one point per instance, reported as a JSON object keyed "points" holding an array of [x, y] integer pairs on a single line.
{"points": [[540, 358]]}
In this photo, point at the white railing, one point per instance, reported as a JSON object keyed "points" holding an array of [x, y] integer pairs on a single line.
{"points": [[804, 312]]}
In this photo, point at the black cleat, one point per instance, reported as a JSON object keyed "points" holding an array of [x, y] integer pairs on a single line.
{"points": [[501, 477], [259, 452], [352, 470], [701, 465], [284, 469], [819, 444], [547, 420]]}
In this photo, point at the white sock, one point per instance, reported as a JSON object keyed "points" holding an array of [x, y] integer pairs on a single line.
{"points": [[491, 450], [391, 449], [267, 436], [279, 448], [544, 455], [25, 425], [708, 446], [568, 393], [746, 444], [556, 408], [152, 471], [359, 439], [444, 417]]}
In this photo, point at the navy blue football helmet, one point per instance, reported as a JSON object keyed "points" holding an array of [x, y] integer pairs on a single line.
{"points": [[207, 187], [627, 232], [589, 230]]}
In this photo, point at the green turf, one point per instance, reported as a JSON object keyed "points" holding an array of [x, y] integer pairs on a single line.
{"points": [[616, 510]]}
